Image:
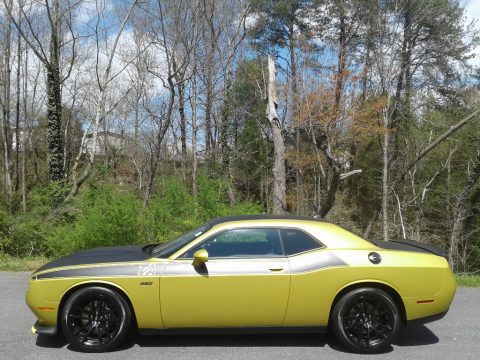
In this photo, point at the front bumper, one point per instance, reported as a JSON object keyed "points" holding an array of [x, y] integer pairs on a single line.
{"points": [[44, 330]]}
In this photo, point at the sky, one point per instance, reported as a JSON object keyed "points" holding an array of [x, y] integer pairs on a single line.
{"points": [[472, 8]]}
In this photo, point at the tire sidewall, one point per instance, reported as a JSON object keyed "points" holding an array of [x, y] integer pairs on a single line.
{"points": [[125, 321]]}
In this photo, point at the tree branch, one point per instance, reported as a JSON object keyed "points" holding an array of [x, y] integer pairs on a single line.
{"points": [[433, 145]]}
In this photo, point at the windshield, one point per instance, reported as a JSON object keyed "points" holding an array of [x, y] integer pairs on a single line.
{"points": [[167, 249]]}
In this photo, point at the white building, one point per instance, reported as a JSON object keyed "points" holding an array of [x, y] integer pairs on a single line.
{"points": [[106, 141]]}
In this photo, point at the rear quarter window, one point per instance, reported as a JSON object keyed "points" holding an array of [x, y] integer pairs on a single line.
{"points": [[296, 241]]}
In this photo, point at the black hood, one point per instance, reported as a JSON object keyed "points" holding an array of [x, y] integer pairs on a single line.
{"points": [[100, 255], [410, 245]]}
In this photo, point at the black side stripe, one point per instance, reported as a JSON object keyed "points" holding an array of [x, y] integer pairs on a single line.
{"points": [[121, 270]]}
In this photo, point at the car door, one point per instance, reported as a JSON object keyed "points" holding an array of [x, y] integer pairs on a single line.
{"points": [[244, 283]]}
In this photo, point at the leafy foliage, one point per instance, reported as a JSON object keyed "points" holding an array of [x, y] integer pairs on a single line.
{"points": [[106, 215]]}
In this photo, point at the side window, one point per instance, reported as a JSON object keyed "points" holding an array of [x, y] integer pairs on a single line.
{"points": [[296, 241], [241, 243]]}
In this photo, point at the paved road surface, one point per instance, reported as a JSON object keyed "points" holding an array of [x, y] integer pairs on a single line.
{"points": [[455, 337]]}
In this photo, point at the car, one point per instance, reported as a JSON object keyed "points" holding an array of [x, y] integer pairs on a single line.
{"points": [[258, 273]]}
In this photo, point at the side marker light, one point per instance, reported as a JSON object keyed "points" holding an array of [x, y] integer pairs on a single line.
{"points": [[425, 301], [46, 308]]}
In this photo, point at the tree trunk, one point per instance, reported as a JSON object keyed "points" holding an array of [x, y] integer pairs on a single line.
{"points": [[279, 176], [99, 116], [163, 128], [17, 111], [331, 194], [296, 125], [211, 43], [342, 64], [194, 138], [6, 71], [183, 127], [54, 105], [339, 84], [385, 186], [193, 105], [208, 109], [26, 133]]}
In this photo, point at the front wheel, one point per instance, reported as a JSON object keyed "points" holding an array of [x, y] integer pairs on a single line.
{"points": [[95, 319], [366, 320]]}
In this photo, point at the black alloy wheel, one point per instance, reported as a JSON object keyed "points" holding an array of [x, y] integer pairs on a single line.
{"points": [[366, 320], [95, 319]]}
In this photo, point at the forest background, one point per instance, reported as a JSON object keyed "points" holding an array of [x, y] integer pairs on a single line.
{"points": [[132, 122]]}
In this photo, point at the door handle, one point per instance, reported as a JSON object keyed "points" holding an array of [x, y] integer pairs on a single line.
{"points": [[276, 269]]}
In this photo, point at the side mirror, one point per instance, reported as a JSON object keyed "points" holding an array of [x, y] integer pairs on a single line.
{"points": [[200, 257]]}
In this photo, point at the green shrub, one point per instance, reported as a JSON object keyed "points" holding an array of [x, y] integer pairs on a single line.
{"points": [[106, 217], [5, 241], [25, 263], [43, 199], [213, 202], [170, 213], [27, 237], [22, 235], [174, 210]]}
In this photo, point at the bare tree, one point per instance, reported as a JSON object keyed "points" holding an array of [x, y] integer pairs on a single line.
{"points": [[176, 45], [5, 107], [279, 176], [51, 59], [457, 261], [100, 111]]}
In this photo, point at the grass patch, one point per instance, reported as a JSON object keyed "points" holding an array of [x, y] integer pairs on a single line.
{"points": [[468, 280], [13, 263]]}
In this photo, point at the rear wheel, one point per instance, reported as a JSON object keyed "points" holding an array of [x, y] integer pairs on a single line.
{"points": [[95, 319], [366, 320]]}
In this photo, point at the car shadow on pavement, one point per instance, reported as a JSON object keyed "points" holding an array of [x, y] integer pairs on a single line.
{"points": [[234, 340], [49, 341], [412, 335], [58, 341], [259, 340], [416, 335]]}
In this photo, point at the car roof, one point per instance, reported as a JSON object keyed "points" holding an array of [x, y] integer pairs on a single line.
{"points": [[225, 219], [329, 234]]}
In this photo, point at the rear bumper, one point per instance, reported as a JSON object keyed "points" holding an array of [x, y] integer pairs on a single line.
{"points": [[428, 319], [44, 330]]}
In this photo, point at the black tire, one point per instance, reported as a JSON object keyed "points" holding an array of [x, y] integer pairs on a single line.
{"points": [[366, 320], [95, 319]]}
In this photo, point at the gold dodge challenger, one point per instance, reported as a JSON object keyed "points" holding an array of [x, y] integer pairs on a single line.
{"points": [[262, 273]]}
